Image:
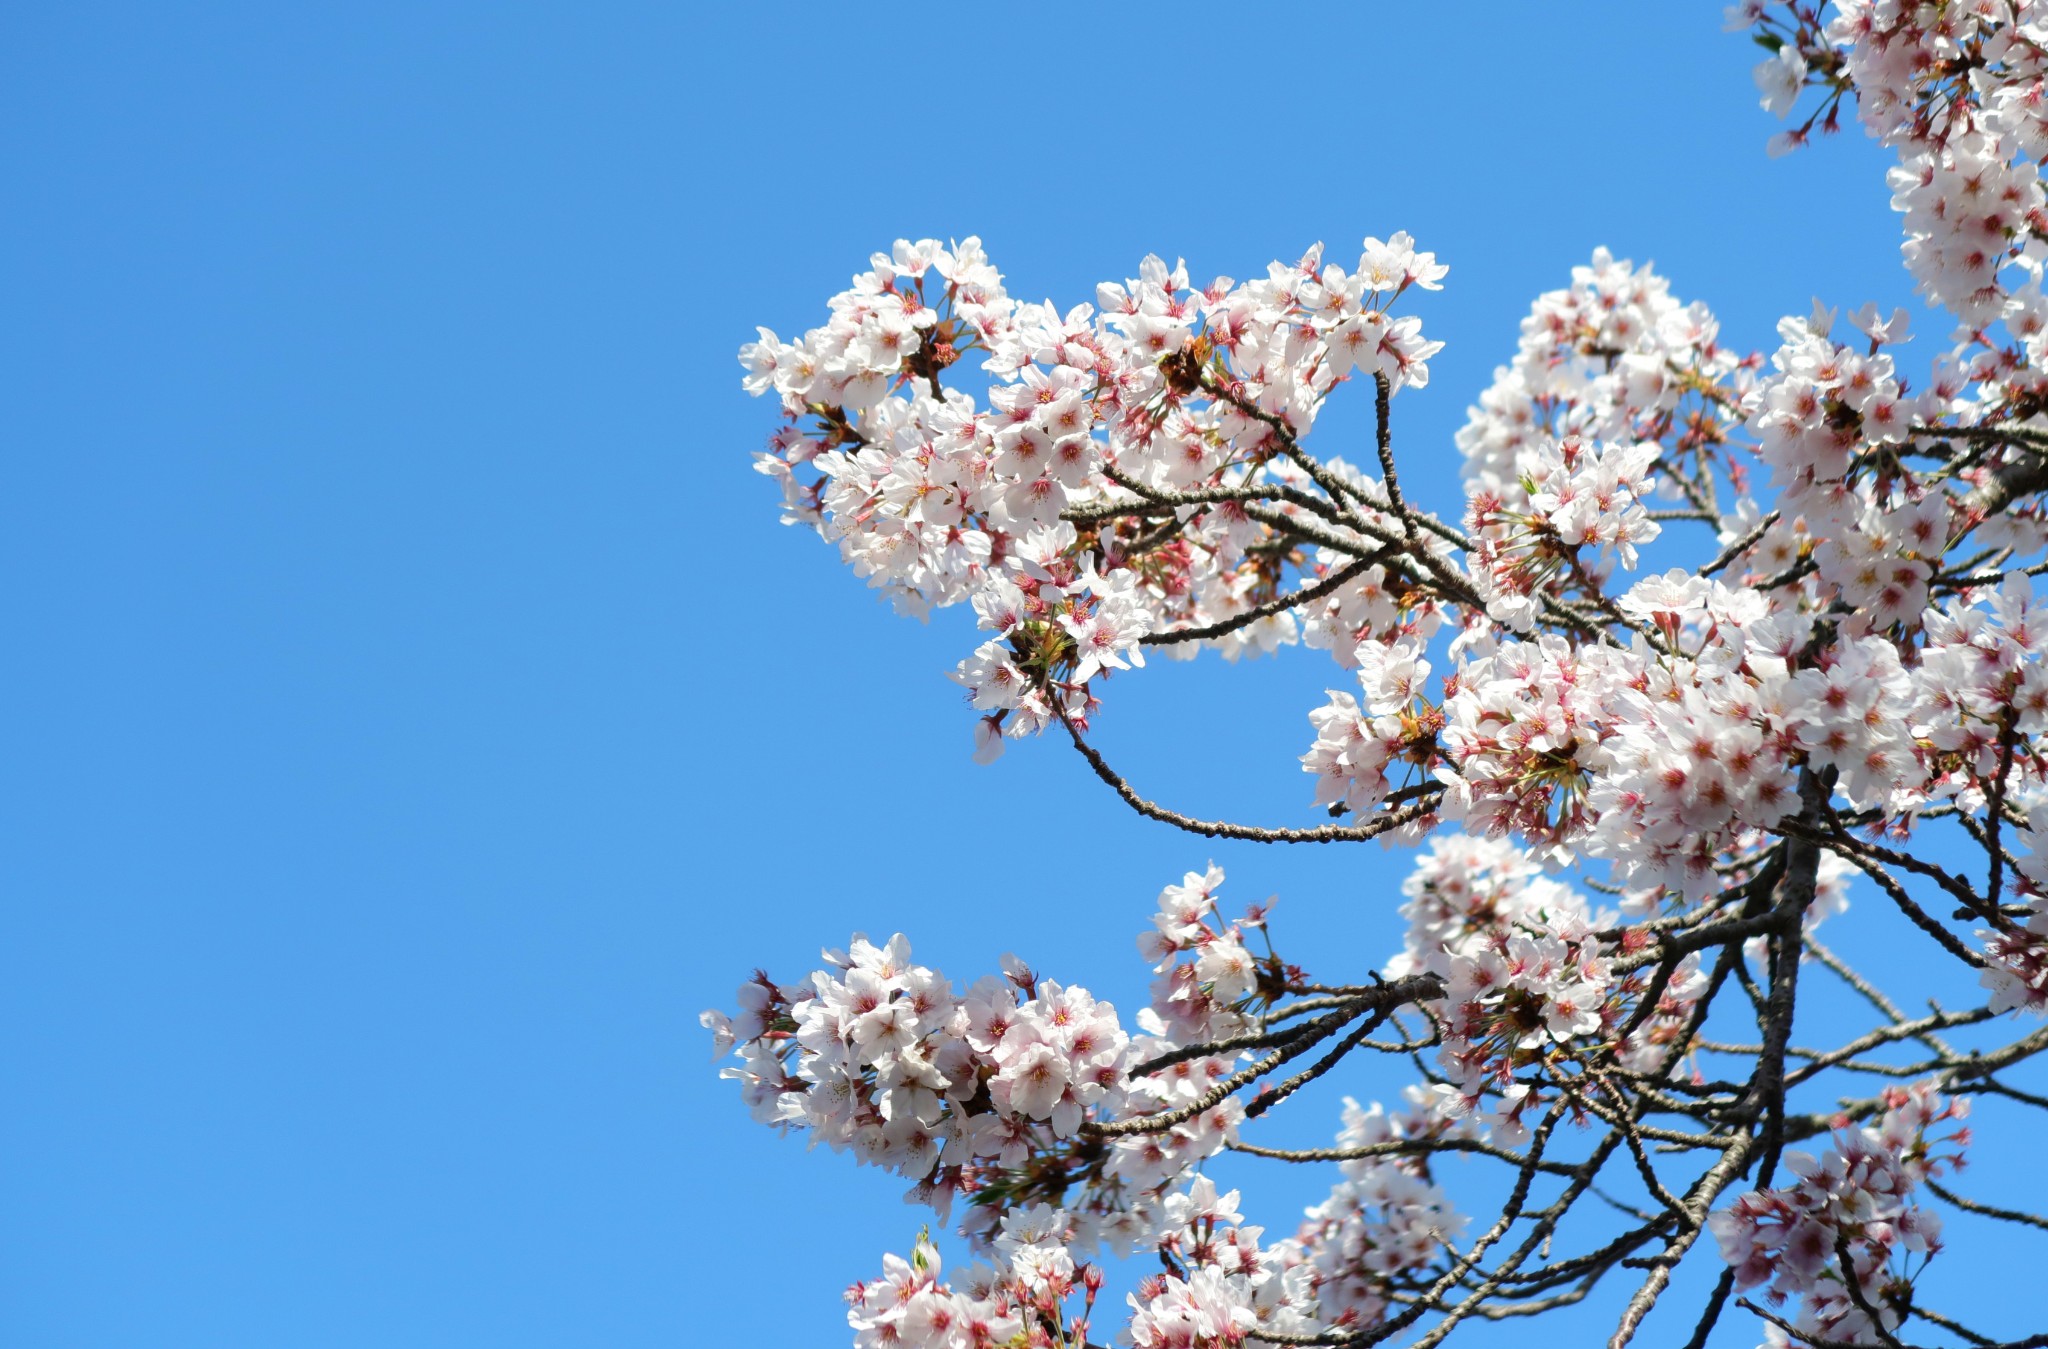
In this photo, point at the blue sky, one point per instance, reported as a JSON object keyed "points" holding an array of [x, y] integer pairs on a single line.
{"points": [[416, 713]]}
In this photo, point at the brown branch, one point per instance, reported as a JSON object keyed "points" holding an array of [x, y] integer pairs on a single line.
{"points": [[1279, 604], [1376, 1004], [1740, 546], [1400, 1147], [1383, 443], [2010, 1215], [1327, 833], [1854, 1287]]}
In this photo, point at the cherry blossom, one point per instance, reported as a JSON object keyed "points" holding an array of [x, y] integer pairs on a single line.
{"points": [[1706, 639]]}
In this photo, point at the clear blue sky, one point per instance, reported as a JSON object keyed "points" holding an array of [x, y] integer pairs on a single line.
{"points": [[414, 714]]}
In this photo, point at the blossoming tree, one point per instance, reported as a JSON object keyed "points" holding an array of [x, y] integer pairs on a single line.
{"points": [[1633, 798]]}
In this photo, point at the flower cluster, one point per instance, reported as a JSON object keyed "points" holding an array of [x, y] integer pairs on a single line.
{"points": [[1377, 609], [1829, 423], [1027, 1297], [1979, 696], [1696, 756], [1659, 759], [1469, 897], [1358, 743], [1854, 1199], [976, 1093], [1385, 1221], [1530, 979], [1209, 982], [2017, 967], [1956, 91], [894, 454], [1166, 391], [1611, 358], [1053, 614], [1527, 546], [1220, 1289], [1523, 735]]}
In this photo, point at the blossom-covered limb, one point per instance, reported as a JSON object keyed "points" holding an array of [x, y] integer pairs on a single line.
{"points": [[1713, 748]]}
